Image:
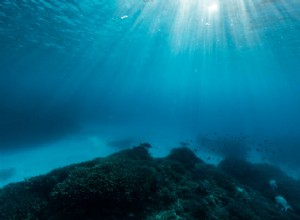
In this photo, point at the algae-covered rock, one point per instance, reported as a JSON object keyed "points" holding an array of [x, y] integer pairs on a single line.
{"points": [[185, 156], [258, 177], [132, 185]]}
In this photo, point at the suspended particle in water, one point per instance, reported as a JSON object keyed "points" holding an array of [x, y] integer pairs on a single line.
{"points": [[124, 17]]}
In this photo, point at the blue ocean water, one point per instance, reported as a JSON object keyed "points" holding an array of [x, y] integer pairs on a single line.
{"points": [[82, 79]]}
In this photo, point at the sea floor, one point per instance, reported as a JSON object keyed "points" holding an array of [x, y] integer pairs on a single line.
{"points": [[131, 184]]}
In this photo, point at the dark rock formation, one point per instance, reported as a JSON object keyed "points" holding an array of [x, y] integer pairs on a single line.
{"points": [[132, 185]]}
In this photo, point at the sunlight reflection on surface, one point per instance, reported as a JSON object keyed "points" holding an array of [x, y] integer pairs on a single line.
{"points": [[212, 24], [213, 8]]}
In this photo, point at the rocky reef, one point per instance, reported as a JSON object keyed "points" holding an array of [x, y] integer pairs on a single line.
{"points": [[132, 185]]}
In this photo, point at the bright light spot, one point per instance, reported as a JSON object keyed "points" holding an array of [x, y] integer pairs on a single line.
{"points": [[213, 8]]}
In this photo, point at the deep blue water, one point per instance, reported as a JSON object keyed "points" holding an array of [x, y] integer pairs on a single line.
{"points": [[80, 79]]}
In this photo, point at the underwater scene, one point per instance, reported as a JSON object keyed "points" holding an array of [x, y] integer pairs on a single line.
{"points": [[150, 109]]}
